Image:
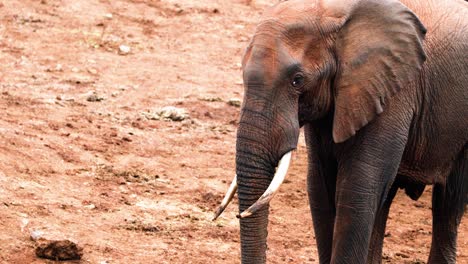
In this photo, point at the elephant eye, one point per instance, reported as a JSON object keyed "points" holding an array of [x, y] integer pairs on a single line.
{"points": [[298, 80]]}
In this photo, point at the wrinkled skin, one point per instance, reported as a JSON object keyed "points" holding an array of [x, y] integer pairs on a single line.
{"points": [[380, 88]]}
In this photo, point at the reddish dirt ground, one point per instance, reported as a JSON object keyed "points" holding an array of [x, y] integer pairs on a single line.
{"points": [[127, 188]]}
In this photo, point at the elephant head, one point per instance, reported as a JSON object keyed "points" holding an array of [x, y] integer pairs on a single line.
{"points": [[308, 60]]}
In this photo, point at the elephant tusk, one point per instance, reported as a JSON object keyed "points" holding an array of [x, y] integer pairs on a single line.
{"points": [[227, 198], [278, 179]]}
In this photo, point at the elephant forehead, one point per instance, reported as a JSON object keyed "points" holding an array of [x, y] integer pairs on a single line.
{"points": [[287, 36], [267, 61], [274, 32], [276, 49], [283, 37]]}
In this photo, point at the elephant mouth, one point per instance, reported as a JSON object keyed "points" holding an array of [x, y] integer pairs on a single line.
{"points": [[278, 178]]}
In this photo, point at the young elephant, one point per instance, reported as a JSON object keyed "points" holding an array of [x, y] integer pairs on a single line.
{"points": [[380, 87]]}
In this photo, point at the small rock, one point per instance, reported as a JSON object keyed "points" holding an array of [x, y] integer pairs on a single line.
{"points": [[36, 235], [58, 67], [94, 98], [58, 250], [402, 255], [151, 116], [173, 113], [234, 102], [108, 16], [24, 223], [92, 71], [124, 49], [211, 99], [90, 206]]}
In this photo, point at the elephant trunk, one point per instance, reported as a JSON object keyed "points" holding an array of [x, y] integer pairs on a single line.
{"points": [[254, 174]]}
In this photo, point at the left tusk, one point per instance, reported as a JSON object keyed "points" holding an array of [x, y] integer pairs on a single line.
{"points": [[278, 179], [227, 198]]}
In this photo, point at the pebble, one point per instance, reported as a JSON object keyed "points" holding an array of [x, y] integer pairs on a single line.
{"points": [[211, 99], [90, 206], [234, 102], [173, 113], [92, 71], [94, 98], [151, 116], [36, 234], [24, 223], [124, 49], [400, 254]]}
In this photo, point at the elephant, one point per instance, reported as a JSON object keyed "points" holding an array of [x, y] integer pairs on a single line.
{"points": [[380, 90]]}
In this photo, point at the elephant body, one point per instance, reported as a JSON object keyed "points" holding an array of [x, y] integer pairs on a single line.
{"points": [[440, 94], [380, 88]]}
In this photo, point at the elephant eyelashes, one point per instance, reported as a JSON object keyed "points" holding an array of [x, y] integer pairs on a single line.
{"points": [[298, 80]]}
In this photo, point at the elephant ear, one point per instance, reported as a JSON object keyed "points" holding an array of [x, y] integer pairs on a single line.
{"points": [[379, 51]]}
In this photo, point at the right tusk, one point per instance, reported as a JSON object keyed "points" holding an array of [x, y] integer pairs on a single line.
{"points": [[227, 198], [278, 179]]}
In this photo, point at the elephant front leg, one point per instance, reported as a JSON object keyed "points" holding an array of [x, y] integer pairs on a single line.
{"points": [[321, 180], [377, 237], [367, 168], [353, 227], [323, 213]]}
